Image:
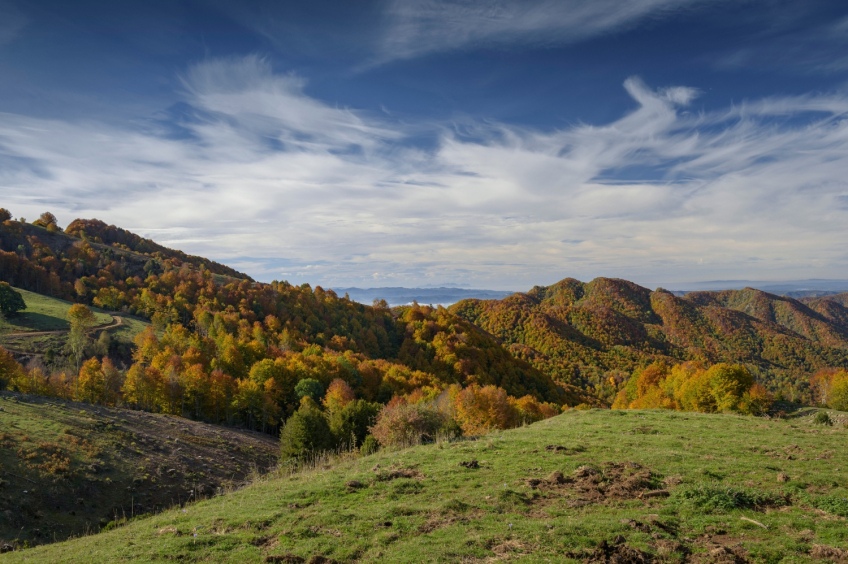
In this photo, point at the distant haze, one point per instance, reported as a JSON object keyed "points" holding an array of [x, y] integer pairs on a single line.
{"points": [[424, 296], [446, 296]]}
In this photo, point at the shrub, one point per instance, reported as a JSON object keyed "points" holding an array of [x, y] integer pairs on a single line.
{"points": [[822, 418], [481, 409], [401, 424], [10, 370], [369, 446]]}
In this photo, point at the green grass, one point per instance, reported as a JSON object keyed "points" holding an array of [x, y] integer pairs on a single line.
{"points": [[766, 490], [44, 313]]}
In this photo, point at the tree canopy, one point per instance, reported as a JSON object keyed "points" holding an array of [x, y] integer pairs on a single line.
{"points": [[11, 301]]}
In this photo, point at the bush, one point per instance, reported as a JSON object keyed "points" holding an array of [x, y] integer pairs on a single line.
{"points": [[406, 424], [369, 446], [481, 409], [10, 370], [822, 418], [305, 432]]}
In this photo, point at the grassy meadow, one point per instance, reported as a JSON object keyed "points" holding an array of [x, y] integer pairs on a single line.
{"points": [[41, 328], [44, 313], [595, 485]]}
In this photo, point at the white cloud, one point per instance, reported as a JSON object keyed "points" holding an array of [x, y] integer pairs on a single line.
{"points": [[418, 27], [274, 181]]}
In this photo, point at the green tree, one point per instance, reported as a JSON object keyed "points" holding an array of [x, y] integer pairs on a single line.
{"points": [[350, 424], [305, 432], [309, 387], [5, 215], [11, 301]]}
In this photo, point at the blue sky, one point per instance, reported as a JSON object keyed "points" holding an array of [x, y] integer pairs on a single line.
{"points": [[409, 143]]}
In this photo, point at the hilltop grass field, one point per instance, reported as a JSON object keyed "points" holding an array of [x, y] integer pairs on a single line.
{"points": [[594, 485]]}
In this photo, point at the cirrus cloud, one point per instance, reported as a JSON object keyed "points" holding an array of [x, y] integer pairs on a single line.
{"points": [[261, 175]]}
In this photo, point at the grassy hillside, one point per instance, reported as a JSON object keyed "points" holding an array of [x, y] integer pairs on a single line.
{"points": [[40, 331], [44, 313], [69, 468], [600, 486]]}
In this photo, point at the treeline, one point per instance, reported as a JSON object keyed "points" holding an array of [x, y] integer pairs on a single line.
{"points": [[227, 370], [341, 421], [721, 388]]}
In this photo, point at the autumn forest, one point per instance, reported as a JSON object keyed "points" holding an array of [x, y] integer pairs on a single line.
{"points": [[327, 372]]}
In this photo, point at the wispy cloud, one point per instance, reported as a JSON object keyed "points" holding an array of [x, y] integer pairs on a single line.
{"points": [[266, 177], [820, 49], [418, 27]]}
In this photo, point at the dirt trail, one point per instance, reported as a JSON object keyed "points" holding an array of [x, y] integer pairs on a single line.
{"points": [[117, 321]]}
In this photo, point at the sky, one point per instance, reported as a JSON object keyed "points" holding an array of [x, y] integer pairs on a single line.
{"points": [[493, 144]]}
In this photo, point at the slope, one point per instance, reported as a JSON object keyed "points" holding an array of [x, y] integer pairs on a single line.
{"points": [[587, 333], [70, 468], [592, 485]]}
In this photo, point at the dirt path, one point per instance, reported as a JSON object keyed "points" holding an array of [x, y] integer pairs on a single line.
{"points": [[117, 321]]}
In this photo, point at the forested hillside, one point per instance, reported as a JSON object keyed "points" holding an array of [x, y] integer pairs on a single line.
{"points": [[224, 348], [595, 334]]}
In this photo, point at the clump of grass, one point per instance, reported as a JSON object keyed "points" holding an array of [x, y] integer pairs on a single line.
{"points": [[834, 505], [712, 498], [822, 418]]}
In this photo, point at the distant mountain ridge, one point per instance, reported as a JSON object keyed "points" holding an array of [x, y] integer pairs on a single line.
{"points": [[812, 287]]}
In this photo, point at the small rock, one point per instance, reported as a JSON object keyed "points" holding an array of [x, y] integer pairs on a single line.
{"points": [[783, 477]]}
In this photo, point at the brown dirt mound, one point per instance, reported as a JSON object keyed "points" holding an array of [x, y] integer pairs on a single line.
{"points": [[829, 553], [393, 473], [591, 484]]}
